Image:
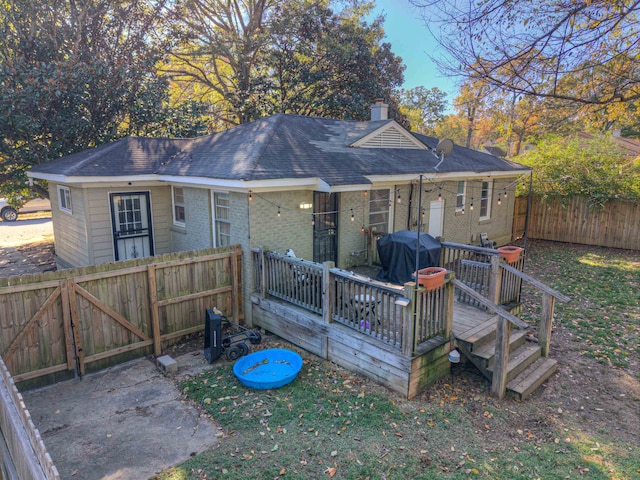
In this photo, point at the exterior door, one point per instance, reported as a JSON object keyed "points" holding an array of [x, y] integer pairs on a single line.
{"points": [[436, 218], [131, 221], [325, 228]]}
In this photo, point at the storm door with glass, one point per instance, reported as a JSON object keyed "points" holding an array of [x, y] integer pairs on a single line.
{"points": [[131, 222], [325, 228]]}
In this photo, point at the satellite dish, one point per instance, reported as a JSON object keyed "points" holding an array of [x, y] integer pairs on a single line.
{"points": [[444, 147]]}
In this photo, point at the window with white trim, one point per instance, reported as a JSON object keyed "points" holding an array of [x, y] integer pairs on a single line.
{"points": [[222, 219], [460, 195], [177, 199], [64, 199], [485, 200]]}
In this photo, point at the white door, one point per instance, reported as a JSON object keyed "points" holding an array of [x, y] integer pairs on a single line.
{"points": [[436, 218], [131, 220]]}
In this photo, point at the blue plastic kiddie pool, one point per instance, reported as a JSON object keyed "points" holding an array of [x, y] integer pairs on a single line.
{"points": [[265, 369]]}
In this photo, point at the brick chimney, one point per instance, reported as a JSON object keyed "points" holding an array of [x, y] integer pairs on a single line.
{"points": [[379, 110]]}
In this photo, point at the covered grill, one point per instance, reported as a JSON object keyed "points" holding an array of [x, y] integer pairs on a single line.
{"points": [[397, 253]]}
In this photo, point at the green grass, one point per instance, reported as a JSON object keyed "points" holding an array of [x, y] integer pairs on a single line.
{"points": [[604, 284], [330, 423]]}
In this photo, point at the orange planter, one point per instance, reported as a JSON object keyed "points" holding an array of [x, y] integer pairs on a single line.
{"points": [[510, 253], [431, 277]]}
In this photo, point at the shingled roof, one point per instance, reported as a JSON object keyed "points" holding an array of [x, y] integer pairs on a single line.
{"points": [[278, 147]]}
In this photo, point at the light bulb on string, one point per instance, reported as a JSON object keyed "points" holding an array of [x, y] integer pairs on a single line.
{"points": [[499, 200], [278, 210], [399, 199], [364, 193], [423, 213], [362, 228], [353, 218], [471, 205], [462, 211], [505, 193], [313, 219], [250, 196]]}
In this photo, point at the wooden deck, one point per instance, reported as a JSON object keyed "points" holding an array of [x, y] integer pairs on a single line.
{"points": [[471, 323]]}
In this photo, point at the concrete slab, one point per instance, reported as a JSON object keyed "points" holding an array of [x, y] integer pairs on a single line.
{"points": [[125, 422]]}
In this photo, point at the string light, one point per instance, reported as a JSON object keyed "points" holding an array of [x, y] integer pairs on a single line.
{"points": [[250, 196], [423, 213], [439, 197], [364, 192], [399, 198], [499, 200], [505, 193], [362, 228], [313, 219], [278, 210], [462, 212], [471, 205], [353, 218]]}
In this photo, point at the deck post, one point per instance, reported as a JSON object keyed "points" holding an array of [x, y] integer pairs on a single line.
{"points": [[501, 359], [449, 294], [263, 273], [494, 280], [328, 293], [409, 314], [546, 323]]}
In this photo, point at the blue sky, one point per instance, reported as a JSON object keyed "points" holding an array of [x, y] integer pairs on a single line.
{"points": [[411, 40]]}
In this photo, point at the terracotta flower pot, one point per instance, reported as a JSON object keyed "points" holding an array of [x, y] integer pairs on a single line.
{"points": [[510, 253], [431, 277]]}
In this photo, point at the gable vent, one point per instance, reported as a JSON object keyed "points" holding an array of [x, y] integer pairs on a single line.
{"points": [[390, 138]]}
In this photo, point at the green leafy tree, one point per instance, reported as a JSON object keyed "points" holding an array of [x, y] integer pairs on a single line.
{"points": [[69, 72], [423, 107], [255, 58], [595, 168]]}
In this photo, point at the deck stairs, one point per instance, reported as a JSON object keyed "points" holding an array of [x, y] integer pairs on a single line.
{"points": [[527, 369]]}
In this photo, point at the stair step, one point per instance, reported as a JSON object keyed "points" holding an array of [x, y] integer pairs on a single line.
{"points": [[520, 359], [487, 352], [528, 380], [480, 335]]}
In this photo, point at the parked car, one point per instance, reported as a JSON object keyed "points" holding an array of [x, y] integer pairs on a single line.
{"points": [[9, 214]]}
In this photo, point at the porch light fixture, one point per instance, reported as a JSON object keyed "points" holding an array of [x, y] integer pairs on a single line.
{"points": [[306, 206]]}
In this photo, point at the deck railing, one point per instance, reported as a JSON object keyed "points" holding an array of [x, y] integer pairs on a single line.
{"points": [[401, 317], [480, 269]]}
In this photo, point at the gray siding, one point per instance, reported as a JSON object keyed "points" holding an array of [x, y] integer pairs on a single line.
{"points": [[70, 229], [86, 236]]}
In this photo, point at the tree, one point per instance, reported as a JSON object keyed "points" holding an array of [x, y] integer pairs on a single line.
{"points": [[68, 73], [596, 169], [584, 52], [423, 107], [258, 57]]}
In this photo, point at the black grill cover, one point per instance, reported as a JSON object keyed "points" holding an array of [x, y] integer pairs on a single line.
{"points": [[397, 253]]}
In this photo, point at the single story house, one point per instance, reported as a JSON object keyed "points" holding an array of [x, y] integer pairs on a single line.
{"points": [[324, 188]]}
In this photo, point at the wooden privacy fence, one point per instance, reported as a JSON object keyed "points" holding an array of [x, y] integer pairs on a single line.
{"points": [[62, 321], [570, 219], [22, 452]]}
